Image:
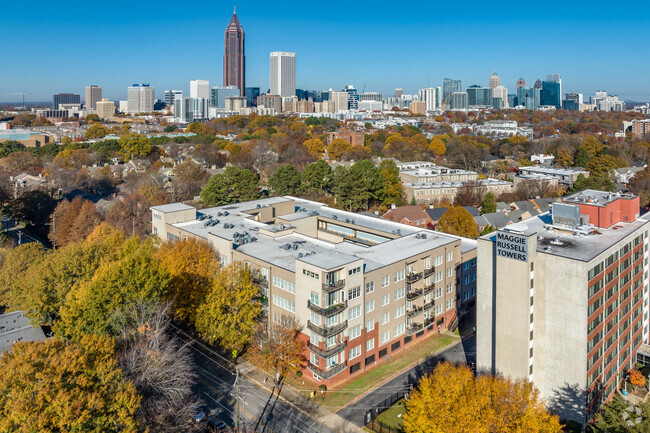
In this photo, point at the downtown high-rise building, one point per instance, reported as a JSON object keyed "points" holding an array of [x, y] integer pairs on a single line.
{"points": [[200, 89], [555, 78], [449, 87], [93, 96], [65, 98], [495, 80], [234, 58], [140, 98], [171, 96], [521, 83], [283, 74], [431, 97]]}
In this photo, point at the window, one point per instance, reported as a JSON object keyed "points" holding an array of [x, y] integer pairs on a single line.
{"points": [[284, 303], [437, 261], [385, 318], [399, 329], [450, 304], [437, 293], [332, 320], [330, 341], [314, 298], [354, 312], [400, 293], [399, 311], [385, 336], [437, 277], [354, 271], [172, 237], [224, 260], [284, 284], [310, 274], [370, 287], [354, 352], [595, 271], [427, 263], [450, 256], [450, 287], [370, 306], [450, 272], [466, 265], [400, 275], [314, 338], [314, 318], [466, 279], [313, 358], [370, 344], [370, 325], [437, 309], [354, 293], [355, 332], [385, 299], [385, 281]]}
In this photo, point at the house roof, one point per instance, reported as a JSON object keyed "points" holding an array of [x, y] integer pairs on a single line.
{"points": [[496, 219], [411, 213], [473, 211], [436, 213]]}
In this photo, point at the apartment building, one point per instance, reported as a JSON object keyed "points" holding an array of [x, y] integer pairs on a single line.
{"points": [[446, 191], [433, 173], [355, 138], [566, 176], [563, 299], [362, 288]]}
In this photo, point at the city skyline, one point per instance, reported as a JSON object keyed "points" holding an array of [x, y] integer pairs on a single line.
{"points": [[562, 44]]}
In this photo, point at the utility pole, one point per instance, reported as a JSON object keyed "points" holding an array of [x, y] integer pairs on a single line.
{"points": [[237, 384]]}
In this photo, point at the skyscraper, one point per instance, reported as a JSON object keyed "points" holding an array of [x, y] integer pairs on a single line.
{"points": [[140, 98], [449, 86], [495, 81], [93, 96], [479, 96], [65, 98], [283, 74], [556, 78], [550, 94], [171, 95], [521, 83], [353, 97], [234, 58], [200, 89], [431, 97], [538, 84]]}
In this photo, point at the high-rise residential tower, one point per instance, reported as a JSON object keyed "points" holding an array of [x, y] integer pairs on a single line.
{"points": [[93, 96], [200, 89], [234, 58], [521, 83], [555, 78], [140, 98], [65, 98], [449, 86], [495, 80], [283, 74]]}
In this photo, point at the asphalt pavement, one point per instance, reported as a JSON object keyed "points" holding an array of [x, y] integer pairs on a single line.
{"points": [[462, 352]]}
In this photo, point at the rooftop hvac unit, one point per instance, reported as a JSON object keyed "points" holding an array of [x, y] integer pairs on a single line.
{"points": [[226, 213], [424, 236], [295, 246], [300, 255]]}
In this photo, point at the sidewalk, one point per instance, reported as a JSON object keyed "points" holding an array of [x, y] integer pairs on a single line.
{"points": [[299, 401]]}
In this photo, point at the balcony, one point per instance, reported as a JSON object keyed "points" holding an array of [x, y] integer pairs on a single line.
{"points": [[429, 321], [429, 305], [414, 311], [330, 286], [413, 294], [327, 352], [331, 372], [414, 328], [428, 271], [327, 331], [429, 288], [261, 281], [413, 277], [332, 309]]}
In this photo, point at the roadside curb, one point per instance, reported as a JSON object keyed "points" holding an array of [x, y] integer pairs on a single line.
{"points": [[383, 382]]}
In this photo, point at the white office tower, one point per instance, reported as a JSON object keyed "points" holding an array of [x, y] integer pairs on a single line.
{"points": [[555, 78], [140, 99], [283, 74], [183, 110], [430, 97], [200, 89], [502, 93], [340, 100], [171, 96]]}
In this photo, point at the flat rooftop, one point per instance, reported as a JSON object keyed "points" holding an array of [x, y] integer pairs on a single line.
{"points": [[565, 244], [596, 198], [435, 171], [553, 171], [456, 183]]}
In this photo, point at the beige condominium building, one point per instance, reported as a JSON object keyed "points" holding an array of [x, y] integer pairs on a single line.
{"points": [[563, 299], [361, 288]]}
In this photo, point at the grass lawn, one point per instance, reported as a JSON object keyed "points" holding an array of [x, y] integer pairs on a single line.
{"points": [[392, 417], [335, 398]]}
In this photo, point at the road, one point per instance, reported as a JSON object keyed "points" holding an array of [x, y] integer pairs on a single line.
{"points": [[260, 411], [459, 353]]}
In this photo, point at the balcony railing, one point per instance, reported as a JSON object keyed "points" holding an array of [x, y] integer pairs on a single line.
{"points": [[330, 372], [428, 271], [329, 330], [413, 294], [327, 352], [414, 311], [429, 305], [333, 285], [429, 288], [261, 281], [414, 328], [333, 309], [413, 277]]}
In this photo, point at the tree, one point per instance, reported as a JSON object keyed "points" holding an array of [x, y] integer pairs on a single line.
{"points": [[314, 146], [317, 176], [337, 147], [96, 130], [192, 264], [14, 269], [457, 221], [10, 146], [278, 348], [451, 399], [229, 313], [20, 162], [189, 178], [593, 182], [603, 165], [233, 186], [359, 187], [393, 189], [134, 145], [470, 193], [72, 221], [34, 209], [437, 146], [69, 386], [285, 181], [487, 229], [564, 157], [159, 366], [619, 416], [489, 204], [518, 139], [640, 184], [636, 378]]}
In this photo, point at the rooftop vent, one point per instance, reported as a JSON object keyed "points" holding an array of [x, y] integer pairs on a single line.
{"points": [[424, 235], [417, 236], [226, 213], [219, 214], [258, 206], [334, 217], [300, 255]]}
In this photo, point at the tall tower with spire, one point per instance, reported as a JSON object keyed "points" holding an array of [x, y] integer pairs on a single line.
{"points": [[234, 58], [495, 81]]}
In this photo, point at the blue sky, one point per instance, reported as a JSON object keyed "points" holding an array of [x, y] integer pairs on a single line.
{"points": [[52, 47]]}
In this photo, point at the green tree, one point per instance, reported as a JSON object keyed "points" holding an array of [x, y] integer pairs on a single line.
{"points": [[489, 204], [619, 416], [286, 181], [487, 229], [96, 130], [56, 386], [229, 314], [134, 145], [359, 187], [10, 146], [317, 176], [457, 221], [34, 209], [603, 165], [232, 186], [593, 182], [393, 189]]}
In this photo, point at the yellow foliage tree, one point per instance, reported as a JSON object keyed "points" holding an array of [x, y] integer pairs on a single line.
{"points": [[518, 139], [564, 157], [314, 146], [451, 399], [437, 146], [337, 147]]}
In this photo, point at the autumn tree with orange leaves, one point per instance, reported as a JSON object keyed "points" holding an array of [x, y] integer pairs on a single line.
{"points": [[451, 399]]}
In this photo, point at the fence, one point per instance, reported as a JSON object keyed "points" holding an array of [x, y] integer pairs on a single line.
{"points": [[378, 427], [371, 415]]}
